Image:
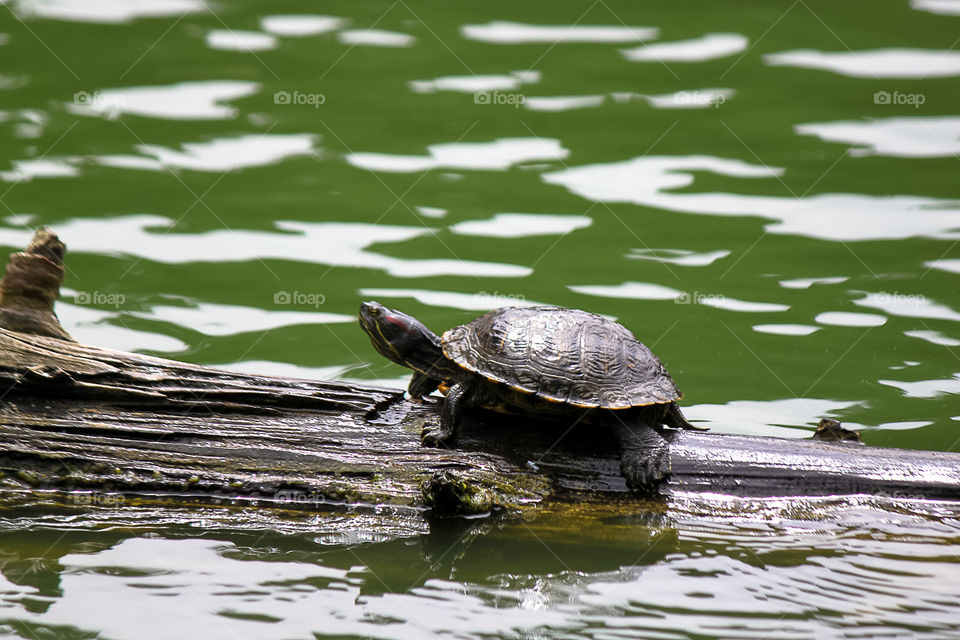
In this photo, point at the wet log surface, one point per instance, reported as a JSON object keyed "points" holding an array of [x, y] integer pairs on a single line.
{"points": [[76, 419]]}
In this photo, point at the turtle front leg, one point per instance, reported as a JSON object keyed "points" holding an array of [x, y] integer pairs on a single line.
{"points": [[644, 456], [421, 385], [460, 396]]}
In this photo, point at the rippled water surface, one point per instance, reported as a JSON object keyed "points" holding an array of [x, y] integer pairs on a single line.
{"points": [[766, 194]]}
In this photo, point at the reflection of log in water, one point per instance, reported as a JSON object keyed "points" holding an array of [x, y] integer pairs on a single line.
{"points": [[81, 418]]}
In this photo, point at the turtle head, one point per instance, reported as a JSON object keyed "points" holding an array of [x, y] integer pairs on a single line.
{"points": [[401, 338]]}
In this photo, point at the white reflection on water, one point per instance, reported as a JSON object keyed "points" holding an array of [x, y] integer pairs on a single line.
{"points": [[942, 7], [342, 244], [521, 225], [220, 154], [24, 170], [873, 63], [933, 337], [806, 283], [181, 101], [745, 306], [629, 290], [926, 388], [776, 418], [499, 155], [301, 25], [649, 291], [504, 32], [950, 266], [482, 301], [561, 103], [225, 320], [708, 47], [376, 38], [786, 329], [681, 257], [232, 40], [91, 325], [799, 568], [648, 181], [849, 319], [106, 11], [475, 83], [913, 137]]}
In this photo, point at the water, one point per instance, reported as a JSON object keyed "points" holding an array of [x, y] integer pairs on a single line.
{"points": [[766, 196]]}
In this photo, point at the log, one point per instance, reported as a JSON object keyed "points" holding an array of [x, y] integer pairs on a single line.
{"points": [[83, 421]]}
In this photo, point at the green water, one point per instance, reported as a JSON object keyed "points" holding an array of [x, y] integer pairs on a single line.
{"points": [[789, 250]]}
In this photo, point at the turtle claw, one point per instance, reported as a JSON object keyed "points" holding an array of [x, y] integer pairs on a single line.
{"points": [[433, 435], [644, 472]]}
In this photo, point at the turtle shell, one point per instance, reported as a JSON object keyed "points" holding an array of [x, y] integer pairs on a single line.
{"points": [[562, 355]]}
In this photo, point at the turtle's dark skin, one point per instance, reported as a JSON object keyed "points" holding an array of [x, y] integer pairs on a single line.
{"points": [[542, 361]]}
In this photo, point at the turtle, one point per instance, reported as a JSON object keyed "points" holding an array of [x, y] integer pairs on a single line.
{"points": [[543, 361]]}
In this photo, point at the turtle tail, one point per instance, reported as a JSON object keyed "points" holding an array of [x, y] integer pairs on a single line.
{"points": [[674, 418]]}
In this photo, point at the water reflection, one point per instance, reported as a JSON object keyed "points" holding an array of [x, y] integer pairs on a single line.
{"points": [[875, 63], [708, 47], [376, 38], [505, 32], [331, 243], [474, 83], [222, 154], [926, 388], [231, 40], [291, 25], [497, 155], [106, 11], [651, 180], [686, 575], [914, 137], [482, 301], [180, 101], [562, 103], [521, 225]]}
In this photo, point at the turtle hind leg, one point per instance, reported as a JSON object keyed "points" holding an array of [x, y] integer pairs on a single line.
{"points": [[673, 417], [644, 455], [460, 396]]}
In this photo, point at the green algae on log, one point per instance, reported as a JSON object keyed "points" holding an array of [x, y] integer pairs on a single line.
{"points": [[77, 419]]}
